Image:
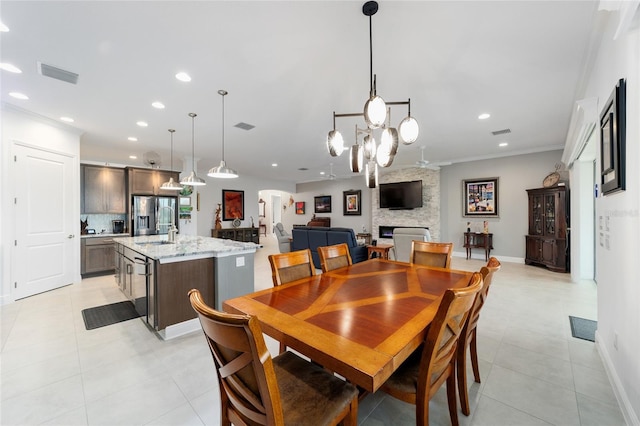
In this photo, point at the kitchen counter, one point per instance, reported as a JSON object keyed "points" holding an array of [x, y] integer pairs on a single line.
{"points": [[104, 235], [157, 276], [157, 247]]}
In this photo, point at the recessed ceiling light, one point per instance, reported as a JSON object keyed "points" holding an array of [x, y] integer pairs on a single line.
{"points": [[274, 165], [158, 105], [18, 95], [183, 76], [10, 67], [142, 123], [67, 119], [133, 157], [503, 144], [132, 139], [484, 116], [3, 28], [322, 173]]}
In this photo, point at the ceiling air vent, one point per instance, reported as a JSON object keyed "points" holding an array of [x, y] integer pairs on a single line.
{"points": [[501, 132], [244, 126], [57, 73]]}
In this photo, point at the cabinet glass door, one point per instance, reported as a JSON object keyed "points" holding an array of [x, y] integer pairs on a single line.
{"points": [[550, 214], [537, 215]]}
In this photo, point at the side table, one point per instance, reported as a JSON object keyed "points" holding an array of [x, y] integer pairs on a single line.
{"points": [[381, 249], [478, 240]]}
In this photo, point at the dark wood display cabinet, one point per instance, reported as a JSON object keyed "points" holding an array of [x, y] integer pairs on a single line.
{"points": [[246, 235], [547, 242]]}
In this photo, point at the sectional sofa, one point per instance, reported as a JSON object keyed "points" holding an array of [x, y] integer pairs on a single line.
{"points": [[308, 237]]}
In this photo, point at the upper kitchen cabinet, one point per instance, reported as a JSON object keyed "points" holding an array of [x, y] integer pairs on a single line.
{"points": [[103, 190], [148, 181]]}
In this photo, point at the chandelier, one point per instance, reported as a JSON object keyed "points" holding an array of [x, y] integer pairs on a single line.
{"points": [[377, 115]]}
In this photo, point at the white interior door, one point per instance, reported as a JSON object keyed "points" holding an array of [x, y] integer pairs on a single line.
{"points": [[45, 231]]}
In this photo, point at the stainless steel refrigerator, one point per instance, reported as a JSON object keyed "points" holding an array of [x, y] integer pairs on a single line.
{"points": [[152, 215]]}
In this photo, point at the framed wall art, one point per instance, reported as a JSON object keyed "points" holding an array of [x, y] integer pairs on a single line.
{"points": [[613, 141], [299, 207], [351, 203], [322, 204], [232, 204], [480, 197]]}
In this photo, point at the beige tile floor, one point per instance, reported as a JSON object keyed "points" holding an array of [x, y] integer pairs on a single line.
{"points": [[53, 371]]}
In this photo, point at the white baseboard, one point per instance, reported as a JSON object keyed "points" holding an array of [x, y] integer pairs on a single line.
{"points": [[180, 329], [630, 417], [480, 256]]}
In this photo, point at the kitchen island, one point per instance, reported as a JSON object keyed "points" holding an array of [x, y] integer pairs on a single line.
{"points": [[156, 276]]}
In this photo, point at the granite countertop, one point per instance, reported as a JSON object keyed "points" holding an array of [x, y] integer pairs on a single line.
{"points": [[185, 245], [106, 234]]}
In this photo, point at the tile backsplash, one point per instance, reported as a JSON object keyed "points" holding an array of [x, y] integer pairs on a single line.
{"points": [[102, 222]]}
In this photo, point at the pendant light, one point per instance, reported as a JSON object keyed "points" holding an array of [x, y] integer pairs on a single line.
{"points": [[222, 171], [377, 116], [193, 179], [171, 185]]}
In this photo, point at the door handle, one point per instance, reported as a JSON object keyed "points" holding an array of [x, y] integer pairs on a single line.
{"points": [[70, 236]]}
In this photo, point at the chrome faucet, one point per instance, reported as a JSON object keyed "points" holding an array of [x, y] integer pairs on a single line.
{"points": [[171, 234]]}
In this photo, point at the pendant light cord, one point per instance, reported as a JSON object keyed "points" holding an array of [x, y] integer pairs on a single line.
{"points": [[371, 89], [193, 158], [222, 127]]}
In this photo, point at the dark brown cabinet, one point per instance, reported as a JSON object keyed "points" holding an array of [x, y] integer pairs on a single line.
{"points": [[103, 190], [148, 181], [547, 243], [97, 255], [246, 235]]}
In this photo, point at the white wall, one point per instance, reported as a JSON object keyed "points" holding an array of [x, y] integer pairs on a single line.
{"points": [[307, 191], [617, 250], [211, 195], [32, 130], [516, 175]]}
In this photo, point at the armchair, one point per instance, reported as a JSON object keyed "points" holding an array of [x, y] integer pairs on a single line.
{"points": [[402, 238], [284, 238]]}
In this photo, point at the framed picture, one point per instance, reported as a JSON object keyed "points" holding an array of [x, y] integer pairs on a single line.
{"points": [[299, 207], [480, 197], [322, 204], [351, 203], [185, 201], [232, 204], [612, 141]]}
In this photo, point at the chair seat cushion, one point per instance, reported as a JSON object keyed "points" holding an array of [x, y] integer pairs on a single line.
{"points": [[308, 392], [405, 379]]}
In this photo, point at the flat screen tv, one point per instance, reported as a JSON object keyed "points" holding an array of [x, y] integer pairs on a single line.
{"points": [[401, 195]]}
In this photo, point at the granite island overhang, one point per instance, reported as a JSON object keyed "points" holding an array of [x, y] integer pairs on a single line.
{"points": [[156, 276]]}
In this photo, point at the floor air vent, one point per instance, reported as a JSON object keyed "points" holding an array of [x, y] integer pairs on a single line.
{"points": [[57, 73]]}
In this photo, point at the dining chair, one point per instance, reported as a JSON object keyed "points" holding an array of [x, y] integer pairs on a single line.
{"points": [[291, 266], [334, 257], [468, 337], [258, 389], [431, 253], [288, 267], [402, 238], [420, 376]]}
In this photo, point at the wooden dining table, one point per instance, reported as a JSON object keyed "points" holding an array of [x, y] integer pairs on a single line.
{"points": [[361, 321]]}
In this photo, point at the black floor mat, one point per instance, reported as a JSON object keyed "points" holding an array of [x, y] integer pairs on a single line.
{"points": [[101, 316], [583, 328]]}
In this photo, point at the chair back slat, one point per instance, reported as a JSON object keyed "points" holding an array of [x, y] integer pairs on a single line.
{"points": [[292, 266], [431, 253], [334, 257]]}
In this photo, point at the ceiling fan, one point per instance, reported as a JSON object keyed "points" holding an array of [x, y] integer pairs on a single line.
{"points": [[426, 164], [330, 176]]}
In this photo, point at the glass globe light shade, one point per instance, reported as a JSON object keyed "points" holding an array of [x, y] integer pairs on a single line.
{"points": [[356, 158], [335, 143], [369, 147], [375, 112], [408, 130], [371, 174], [390, 138], [384, 157]]}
